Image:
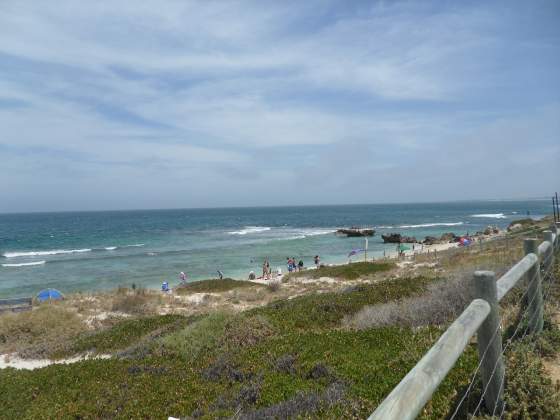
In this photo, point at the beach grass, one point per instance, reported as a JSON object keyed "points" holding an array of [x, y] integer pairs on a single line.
{"points": [[123, 334], [212, 286], [346, 271], [38, 333]]}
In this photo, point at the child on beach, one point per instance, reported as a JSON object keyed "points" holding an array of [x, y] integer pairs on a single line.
{"points": [[289, 264]]}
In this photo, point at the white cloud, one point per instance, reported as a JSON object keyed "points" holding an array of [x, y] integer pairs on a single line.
{"points": [[158, 92]]}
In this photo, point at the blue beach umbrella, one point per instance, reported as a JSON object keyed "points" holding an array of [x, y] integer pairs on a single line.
{"points": [[49, 294]]}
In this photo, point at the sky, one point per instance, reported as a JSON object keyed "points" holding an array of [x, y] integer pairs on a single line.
{"points": [[177, 104]]}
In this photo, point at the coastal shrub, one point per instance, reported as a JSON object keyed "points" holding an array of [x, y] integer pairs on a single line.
{"points": [[303, 404], [125, 333], [197, 338], [529, 392], [286, 364], [138, 302], [273, 286], [442, 302], [369, 363], [224, 369], [523, 222], [212, 286], [326, 310], [38, 333], [243, 331], [346, 271]]}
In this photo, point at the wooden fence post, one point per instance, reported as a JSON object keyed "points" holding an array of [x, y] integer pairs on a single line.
{"points": [[490, 341], [534, 294], [549, 257]]}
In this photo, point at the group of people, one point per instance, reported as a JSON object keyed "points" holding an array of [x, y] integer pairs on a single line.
{"points": [[292, 266], [266, 271], [182, 280]]}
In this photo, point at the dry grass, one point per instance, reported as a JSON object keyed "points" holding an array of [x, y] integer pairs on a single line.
{"points": [[38, 333], [443, 301], [273, 286], [246, 331], [136, 302]]}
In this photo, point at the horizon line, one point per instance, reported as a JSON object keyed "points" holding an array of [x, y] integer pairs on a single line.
{"points": [[273, 206]]}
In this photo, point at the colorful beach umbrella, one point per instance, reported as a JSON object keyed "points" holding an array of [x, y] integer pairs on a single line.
{"points": [[49, 294]]}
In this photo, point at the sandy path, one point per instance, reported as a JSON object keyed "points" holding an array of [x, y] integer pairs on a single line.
{"points": [[12, 361]]}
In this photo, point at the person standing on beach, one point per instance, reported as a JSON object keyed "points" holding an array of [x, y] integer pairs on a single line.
{"points": [[268, 272], [289, 264], [317, 260], [264, 270], [182, 277], [300, 265]]}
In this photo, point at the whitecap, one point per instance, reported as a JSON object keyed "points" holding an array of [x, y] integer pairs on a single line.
{"points": [[490, 215], [250, 230], [110, 248], [42, 253], [24, 264], [431, 225], [316, 232]]}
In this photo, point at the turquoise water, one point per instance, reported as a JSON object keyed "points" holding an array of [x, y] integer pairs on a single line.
{"points": [[98, 250]]}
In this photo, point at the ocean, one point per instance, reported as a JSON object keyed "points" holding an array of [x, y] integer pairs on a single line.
{"points": [[86, 251]]}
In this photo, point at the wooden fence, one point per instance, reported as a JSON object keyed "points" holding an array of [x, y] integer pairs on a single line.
{"points": [[482, 316]]}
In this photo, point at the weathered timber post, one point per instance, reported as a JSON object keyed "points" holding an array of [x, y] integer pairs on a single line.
{"points": [[549, 257], [534, 294], [490, 341]]}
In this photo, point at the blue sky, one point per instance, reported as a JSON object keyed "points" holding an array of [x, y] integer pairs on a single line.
{"points": [[159, 104]]}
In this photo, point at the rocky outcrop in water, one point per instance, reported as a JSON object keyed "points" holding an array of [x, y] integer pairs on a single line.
{"points": [[430, 240], [397, 238]]}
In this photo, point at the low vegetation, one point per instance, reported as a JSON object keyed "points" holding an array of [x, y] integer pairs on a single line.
{"points": [[346, 271], [123, 334], [213, 286], [335, 354], [441, 303], [38, 333]]}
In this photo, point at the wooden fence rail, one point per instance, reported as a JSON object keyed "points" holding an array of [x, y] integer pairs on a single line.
{"points": [[482, 316]]}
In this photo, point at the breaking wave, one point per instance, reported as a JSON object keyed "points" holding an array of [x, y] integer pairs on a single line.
{"points": [[431, 225], [24, 264], [250, 230], [63, 251], [490, 215], [43, 253]]}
